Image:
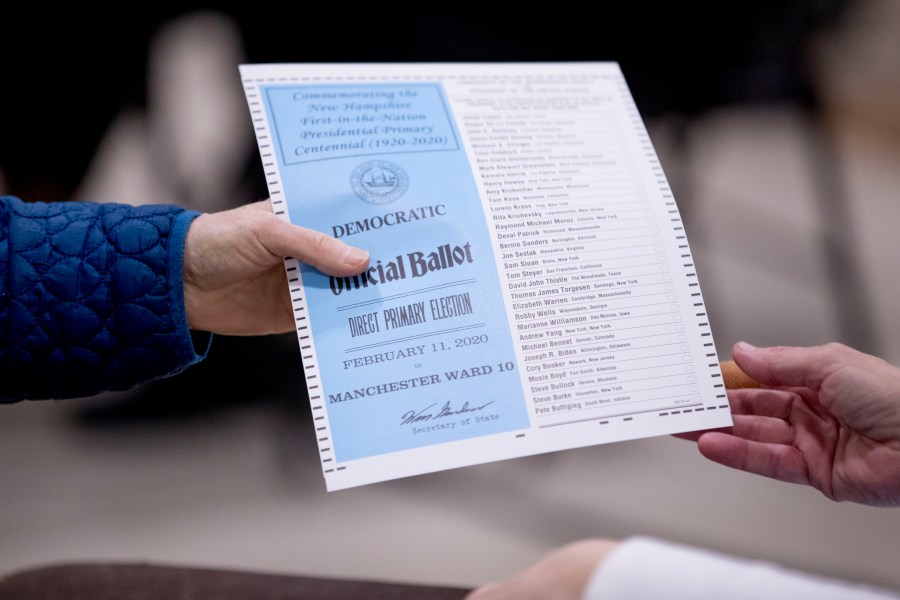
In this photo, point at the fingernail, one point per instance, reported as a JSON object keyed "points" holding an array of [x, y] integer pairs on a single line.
{"points": [[746, 347], [354, 257]]}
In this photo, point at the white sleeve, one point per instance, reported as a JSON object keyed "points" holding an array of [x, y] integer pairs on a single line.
{"points": [[646, 568]]}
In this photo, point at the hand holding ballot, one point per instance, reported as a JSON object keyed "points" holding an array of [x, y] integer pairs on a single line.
{"points": [[234, 277], [825, 416]]}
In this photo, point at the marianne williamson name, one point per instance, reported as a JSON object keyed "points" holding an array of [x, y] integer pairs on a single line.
{"points": [[413, 313]]}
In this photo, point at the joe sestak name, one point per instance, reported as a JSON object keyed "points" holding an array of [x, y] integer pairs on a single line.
{"points": [[411, 265]]}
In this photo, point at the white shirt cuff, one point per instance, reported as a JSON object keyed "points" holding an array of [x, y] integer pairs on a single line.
{"points": [[646, 568]]}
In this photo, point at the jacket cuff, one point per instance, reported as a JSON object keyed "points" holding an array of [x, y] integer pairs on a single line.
{"points": [[192, 346]]}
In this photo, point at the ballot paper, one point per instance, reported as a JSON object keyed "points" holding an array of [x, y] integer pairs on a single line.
{"points": [[531, 286]]}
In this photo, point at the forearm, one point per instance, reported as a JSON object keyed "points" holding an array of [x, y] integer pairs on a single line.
{"points": [[645, 568], [91, 297]]}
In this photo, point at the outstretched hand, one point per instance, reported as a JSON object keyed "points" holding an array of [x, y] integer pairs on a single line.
{"points": [[234, 278], [825, 416]]}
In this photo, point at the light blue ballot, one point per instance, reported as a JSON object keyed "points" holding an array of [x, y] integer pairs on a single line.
{"points": [[416, 351]]}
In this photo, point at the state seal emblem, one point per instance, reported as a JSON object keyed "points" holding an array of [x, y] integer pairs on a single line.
{"points": [[379, 181]]}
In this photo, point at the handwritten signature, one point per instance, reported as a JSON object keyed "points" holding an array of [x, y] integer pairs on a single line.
{"points": [[447, 410]]}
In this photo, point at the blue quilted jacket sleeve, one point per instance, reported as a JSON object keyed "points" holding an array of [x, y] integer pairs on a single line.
{"points": [[91, 297]]}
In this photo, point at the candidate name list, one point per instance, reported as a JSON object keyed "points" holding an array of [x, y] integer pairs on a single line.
{"points": [[583, 263]]}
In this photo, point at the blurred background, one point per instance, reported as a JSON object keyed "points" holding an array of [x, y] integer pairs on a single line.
{"points": [[778, 125]]}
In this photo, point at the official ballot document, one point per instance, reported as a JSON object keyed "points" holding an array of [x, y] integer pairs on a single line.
{"points": [[531, 287]]}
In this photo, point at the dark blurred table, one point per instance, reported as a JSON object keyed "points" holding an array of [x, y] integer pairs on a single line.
{"points": [[110, 581]]}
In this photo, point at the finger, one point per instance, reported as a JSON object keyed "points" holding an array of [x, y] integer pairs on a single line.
{"points": [[755, 428], [793, 366], [693, 436], [734, 378], [763, 429], [281, 238], [327, 254], [761, 402], [749, 401], [778, 461]]}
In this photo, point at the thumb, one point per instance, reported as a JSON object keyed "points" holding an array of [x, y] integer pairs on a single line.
{"points": [[328, 254], [790, 366]]}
